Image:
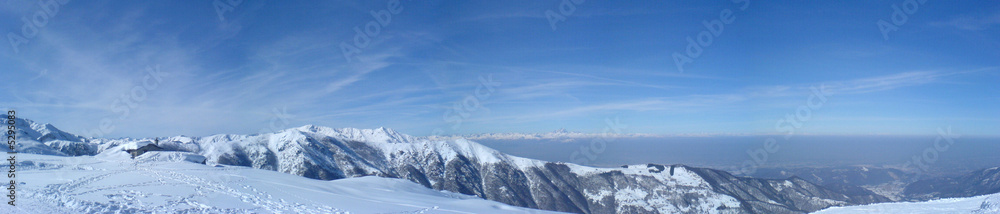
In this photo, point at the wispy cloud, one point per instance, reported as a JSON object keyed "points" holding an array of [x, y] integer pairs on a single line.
{"points": [[357, 72], [659, 104], [550, 89], [882, 83], [537, 10], [608, 80], [892, 81], [718, 102], [971, 23]]}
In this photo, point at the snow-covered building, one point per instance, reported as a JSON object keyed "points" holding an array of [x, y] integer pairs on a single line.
{"points": [[141, 147]]}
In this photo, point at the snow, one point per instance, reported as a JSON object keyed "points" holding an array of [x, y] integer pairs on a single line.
{"points": [[172, 181], [474, 150], [682, 182], [632, 197], [171, 157], [135, 145], [978, 204], [681, 175], [585, 170], [525, 163], [597, 196], [319, 144], [162, 184], [379, 135], [892, 190]]}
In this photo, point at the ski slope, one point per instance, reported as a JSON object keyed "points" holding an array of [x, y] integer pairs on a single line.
{"points": [[977, 205], [169, 182]]}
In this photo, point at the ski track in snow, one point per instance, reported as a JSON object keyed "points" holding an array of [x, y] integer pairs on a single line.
{"points": [[116, 185], [61, 194], [260, 199]]}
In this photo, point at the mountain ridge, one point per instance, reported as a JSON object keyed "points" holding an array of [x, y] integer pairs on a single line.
{"points": [[467, 167]]}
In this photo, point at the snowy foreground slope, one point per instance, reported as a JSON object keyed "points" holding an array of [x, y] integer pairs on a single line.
{"points": [[978, 205], [466, 167], [166, 182]]}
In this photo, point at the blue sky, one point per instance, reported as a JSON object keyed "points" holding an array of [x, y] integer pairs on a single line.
{"points": [[231, 73]]}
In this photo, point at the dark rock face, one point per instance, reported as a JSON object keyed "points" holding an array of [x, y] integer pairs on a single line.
{"points": [[980, 182]]}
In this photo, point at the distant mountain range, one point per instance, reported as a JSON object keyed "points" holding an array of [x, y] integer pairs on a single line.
{"points": [[980, 182], [894, 184], [464, 166], [558, 134]]}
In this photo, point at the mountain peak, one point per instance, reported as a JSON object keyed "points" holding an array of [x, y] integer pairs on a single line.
{"points": [[308, 128], [387, 131], [380, 134]]}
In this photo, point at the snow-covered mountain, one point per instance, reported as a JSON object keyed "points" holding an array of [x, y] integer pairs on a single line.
{"points": [[174, 182], [853, 175], [46, 139], [850, 180], [979, 182], [466, 167]]}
